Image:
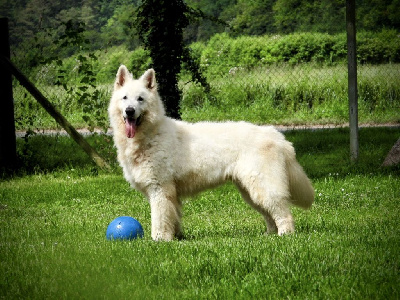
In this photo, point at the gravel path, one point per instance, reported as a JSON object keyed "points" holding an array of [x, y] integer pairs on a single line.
{"points": [[282, 128]]}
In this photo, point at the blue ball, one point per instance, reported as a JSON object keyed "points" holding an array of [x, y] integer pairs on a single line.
{"points": [[124, 228]]}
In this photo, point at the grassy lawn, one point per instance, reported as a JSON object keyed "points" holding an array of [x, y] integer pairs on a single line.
{"points": [[55, 211]]}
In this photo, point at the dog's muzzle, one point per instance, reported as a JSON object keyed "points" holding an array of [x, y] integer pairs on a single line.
{"points": [[131, 123]]}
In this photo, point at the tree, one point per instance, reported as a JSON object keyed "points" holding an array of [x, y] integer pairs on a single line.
{"points": [[252, 17], [7, 127], [286, 15], [120, 27], [160, 27], [206, 18]]}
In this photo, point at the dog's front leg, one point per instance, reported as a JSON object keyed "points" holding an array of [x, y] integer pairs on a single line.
{"points": [[165, 213]]}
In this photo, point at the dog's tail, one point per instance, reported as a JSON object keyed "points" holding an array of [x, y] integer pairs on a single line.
{"points": [[301, 189]]}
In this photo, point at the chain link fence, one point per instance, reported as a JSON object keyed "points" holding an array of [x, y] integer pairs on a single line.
{"points": [[300, 78], [276, 92], [292, 79]]}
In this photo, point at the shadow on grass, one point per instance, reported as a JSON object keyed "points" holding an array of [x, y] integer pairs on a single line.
{"points": [[52, 153], [320, 152], [327, 151]]}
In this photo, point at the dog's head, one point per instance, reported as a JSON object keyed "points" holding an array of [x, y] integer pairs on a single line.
{"points": [[136, 102]]}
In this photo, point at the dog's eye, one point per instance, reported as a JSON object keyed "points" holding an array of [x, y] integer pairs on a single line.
{"points": [[140, 99], [125, 97]]}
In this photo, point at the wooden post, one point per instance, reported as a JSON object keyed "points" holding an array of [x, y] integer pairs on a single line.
{"points": [[60, 119], [8, 156], [352, 77]]}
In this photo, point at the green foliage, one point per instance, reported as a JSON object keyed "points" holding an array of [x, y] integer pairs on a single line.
{"points": [[84, 89], [250, 17], [329, 16], [113, 23], [378, 47], [120, 28], [377, 14], [140, 61], [39, 153], [109, 61], [277, 94], [304, 15], [53, 225], [301, 94], [224, 52], [205, 19], [269, 77]]}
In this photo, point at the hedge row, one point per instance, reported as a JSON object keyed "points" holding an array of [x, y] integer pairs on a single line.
{"points": [[221, 52]]}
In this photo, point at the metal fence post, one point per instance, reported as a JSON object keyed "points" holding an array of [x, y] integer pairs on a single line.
{"points": [[8, 155], [352, 77]]}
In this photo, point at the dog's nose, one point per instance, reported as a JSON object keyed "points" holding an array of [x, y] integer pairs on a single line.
{"points": [[130, 111]]}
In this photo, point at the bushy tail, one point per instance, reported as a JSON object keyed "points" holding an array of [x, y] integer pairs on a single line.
{"points": [[301, 189]]}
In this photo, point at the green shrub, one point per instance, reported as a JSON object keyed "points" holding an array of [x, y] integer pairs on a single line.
{"points": [[110, 61], [193, 96], [222, 52], [140, 61], [381, 47], [297, 78]]}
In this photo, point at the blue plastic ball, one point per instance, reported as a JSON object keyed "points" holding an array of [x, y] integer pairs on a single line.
{"points": [[124, 228]]}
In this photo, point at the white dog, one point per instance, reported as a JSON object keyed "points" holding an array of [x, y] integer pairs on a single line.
{"points": [[167, 159]]}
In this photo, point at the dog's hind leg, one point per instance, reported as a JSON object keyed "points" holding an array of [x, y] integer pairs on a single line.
{"points": [[165, 213], [279, 210], [271, 226], [270, 198]]}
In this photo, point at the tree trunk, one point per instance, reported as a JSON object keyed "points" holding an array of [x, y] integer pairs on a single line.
{"points": [[8, 151]]}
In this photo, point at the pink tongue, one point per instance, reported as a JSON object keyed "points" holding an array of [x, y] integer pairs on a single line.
{"points": [[130, 128]]}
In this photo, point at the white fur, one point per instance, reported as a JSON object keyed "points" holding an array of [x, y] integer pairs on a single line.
{"points": [[169, 159]]}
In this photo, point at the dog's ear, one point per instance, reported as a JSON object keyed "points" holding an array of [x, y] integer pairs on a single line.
{"points": [[122, 75], [149, 78]]}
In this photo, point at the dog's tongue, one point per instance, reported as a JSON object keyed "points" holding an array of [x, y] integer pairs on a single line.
{"points": [[130, 128]]}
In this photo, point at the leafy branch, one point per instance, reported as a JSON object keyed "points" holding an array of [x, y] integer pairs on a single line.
{"points": [[84, 90]]}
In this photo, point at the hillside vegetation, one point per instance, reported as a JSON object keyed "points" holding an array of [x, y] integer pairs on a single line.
{"points": [[281, 79], [269, 62], [37, 25]]}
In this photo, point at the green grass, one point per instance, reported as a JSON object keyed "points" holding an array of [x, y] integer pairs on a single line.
{"points": [[301, 94], [55, 211]]}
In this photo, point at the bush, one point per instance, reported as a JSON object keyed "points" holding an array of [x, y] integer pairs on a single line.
{"points": [[110, 61], [222, 52], [266, 79], [376, 48], [140, 61]]}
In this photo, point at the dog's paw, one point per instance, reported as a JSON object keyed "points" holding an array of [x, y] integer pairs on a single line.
{"points": [[283, 230], [162, 236]]}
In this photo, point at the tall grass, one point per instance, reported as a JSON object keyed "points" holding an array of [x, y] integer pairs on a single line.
{"points": [[291, 95], [53, 222], [279, 94]]}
